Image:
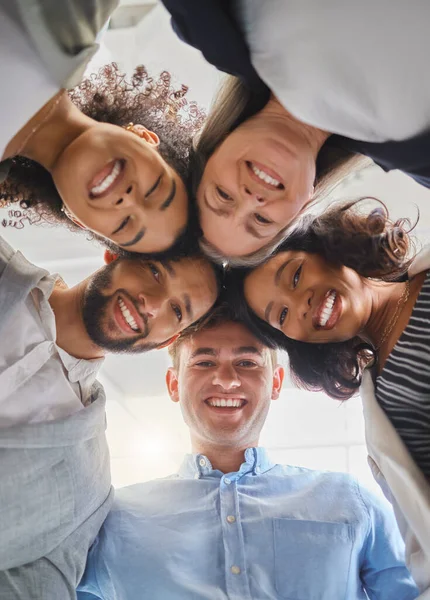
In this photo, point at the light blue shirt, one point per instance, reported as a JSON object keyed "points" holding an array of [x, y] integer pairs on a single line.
{"points": [[266, 532]]}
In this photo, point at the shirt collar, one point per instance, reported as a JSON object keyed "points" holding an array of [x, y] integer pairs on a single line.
{"points": [[195, 466]]}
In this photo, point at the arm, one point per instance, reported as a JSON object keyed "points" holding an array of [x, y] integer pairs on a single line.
{"points": [[88, 588], [383, 571]]}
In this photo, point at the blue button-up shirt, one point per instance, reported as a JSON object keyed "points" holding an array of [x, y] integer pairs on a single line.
{"points": [[265, 532]]}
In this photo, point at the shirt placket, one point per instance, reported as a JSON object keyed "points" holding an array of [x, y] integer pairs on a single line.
{"points": [[236, 574]]}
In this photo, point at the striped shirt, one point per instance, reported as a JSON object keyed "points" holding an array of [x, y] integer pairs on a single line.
{"points": [[403, 387]]}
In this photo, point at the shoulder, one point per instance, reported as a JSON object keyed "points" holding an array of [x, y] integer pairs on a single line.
{"points": [[331, 484]]}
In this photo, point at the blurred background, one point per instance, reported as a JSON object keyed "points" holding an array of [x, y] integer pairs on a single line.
{"points": [[145, 430]]}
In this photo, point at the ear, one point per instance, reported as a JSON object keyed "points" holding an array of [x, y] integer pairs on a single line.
{"points": [[109, 257], [168, 342], [72, 217], [146, 134], [278, 378], [172, 383]]}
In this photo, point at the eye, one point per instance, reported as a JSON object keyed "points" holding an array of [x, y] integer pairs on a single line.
{"points": [[124, 223], [178, 312], [261, 219], [205, 363], [296, 277], [283, 316], [247, 363], [155, 271], [223, 194]]}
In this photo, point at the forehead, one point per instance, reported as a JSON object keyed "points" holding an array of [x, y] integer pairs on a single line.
{"points": [[226, 337]]}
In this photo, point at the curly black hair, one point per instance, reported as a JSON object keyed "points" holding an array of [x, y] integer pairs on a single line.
{"points": [[109, 97], [370, 244]]}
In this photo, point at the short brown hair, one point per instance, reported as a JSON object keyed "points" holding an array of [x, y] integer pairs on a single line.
{"points": [[221, 313]]}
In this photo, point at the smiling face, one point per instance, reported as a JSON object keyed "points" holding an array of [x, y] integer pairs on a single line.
{"points": [[132, 305], [308, 299], [224, 383], [253, 186], [115, 183]]}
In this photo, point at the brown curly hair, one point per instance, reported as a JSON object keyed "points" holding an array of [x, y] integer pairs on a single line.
{"points": [[374, 247], [110, 97]]}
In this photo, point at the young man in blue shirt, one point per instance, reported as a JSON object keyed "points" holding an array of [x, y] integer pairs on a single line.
{"points": [[231, 524]]}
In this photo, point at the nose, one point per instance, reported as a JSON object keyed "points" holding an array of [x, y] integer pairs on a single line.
{"points": [[304, 305], [150, 305], [124, 199], [253, 195], [226, 377]]}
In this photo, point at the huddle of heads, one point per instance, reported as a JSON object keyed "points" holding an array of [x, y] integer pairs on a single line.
{"points": [[171, 192]]}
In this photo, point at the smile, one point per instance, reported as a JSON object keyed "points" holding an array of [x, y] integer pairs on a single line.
{"points": [[260, 173], [127, 317], [232, 403], [106, 179], [328, 312]]}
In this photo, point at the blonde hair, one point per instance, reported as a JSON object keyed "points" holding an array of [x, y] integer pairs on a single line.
{"points": [[219, 315], [233, 105]]}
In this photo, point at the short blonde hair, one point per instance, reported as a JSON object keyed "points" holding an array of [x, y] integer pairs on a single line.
{"points": [[220, 315]]}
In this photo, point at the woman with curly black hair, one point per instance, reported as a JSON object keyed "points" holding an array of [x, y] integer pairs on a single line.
{"points": [[110, 156], [343, 293]]}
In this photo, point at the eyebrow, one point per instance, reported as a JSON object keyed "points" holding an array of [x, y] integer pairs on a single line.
{"points": [[168, 201], [188, 307], [155, 186], [247, 350], [279, 272], [220, 212], [200, 351], [254, 232], [169, 268], [267, 311], [136, 239], [277, 279]]}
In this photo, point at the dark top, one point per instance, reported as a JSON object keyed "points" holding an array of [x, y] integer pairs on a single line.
{"points": [[403, 387], [210, 26]]}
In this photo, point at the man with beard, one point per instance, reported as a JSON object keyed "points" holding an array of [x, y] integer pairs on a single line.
{"points": [[231, 524], [55, 487]]}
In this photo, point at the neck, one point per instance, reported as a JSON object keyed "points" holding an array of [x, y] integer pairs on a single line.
{"points": [[385, 298], [314, 136], [71, 333], [226, 459], [49, 132]]}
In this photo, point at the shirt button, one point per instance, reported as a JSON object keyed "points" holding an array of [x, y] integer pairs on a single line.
{"points": [[231, 519], [202, 462], [235, 570], [227, 481]]}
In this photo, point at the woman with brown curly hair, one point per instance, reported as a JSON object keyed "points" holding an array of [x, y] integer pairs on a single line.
{"points": [[342, 294]]}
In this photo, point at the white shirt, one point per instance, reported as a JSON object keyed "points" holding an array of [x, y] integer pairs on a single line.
{"points": [[26, 83], [358, 69], [397, 473], [38, 380]]}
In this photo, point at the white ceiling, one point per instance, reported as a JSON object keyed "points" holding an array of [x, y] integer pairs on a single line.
{"points": [[141, 418]]}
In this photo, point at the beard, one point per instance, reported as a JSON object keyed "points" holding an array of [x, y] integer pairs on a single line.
{"points": [[94, 315]]}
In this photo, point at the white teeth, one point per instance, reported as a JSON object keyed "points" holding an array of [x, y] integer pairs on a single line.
{"points": [[127, 315], [108, 180], [223, 403], [265, 177], [327, 309]]}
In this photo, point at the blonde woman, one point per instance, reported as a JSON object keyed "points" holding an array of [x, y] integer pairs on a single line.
{"points": [[315, 84]]}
